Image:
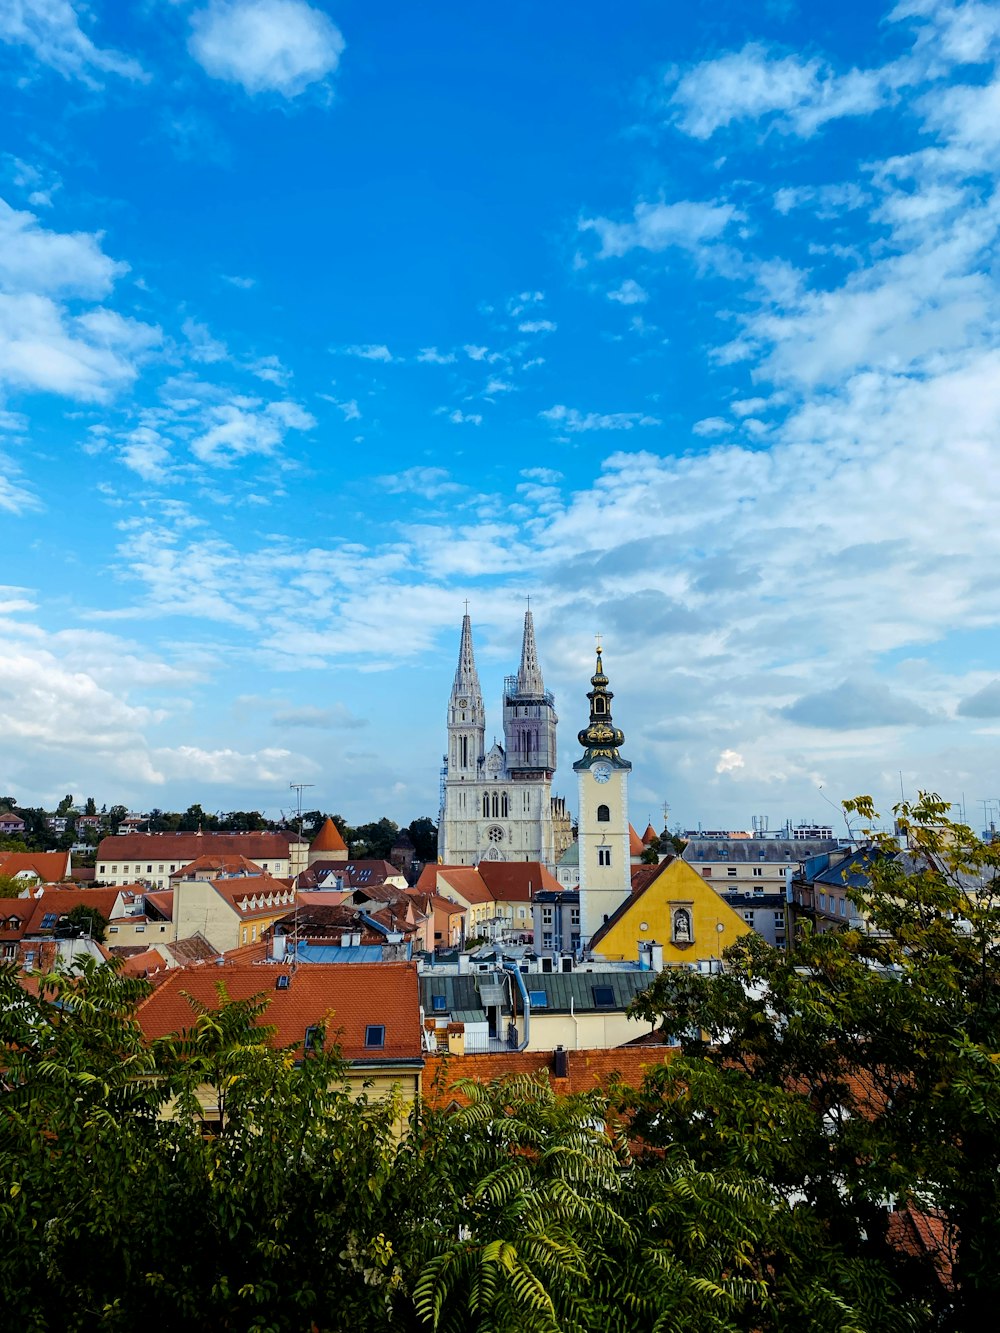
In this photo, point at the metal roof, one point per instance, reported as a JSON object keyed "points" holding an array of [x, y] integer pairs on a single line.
{"points": [[561, 990], [753, 851]]}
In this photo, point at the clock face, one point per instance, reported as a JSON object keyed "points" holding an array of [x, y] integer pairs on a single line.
{"points": [[463, 703], [601, 772]]}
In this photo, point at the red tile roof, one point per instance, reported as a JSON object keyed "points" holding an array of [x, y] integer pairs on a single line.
{"points": [[242, 890], [649, 836], [221, 864], [182, 847], [14, 909], [48, 866], [635, 847], [328, 839], [63, 900], [515, 881], [348, 999]]}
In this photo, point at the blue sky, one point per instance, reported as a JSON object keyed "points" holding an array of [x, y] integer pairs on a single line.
{"points": [[316, 320]]}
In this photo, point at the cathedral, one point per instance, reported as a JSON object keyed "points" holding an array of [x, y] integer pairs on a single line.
{"points": [[497, 804]]}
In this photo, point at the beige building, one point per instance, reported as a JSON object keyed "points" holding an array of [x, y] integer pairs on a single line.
{"points": [[232, 911], [151, 858], [496, 895]]}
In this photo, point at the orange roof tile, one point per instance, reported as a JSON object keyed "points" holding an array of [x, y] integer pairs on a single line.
{"points": [[63, 900], [222, 864], [649, 836], [181, 847], [516, 881], [348, 999], [635, 847], [48, 866], [328, 839]]}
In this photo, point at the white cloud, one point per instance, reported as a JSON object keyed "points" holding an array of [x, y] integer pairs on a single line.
{"points": [[495, 385], [269, 368], [33, 258], [146, 453], [244, 284], [244, 426], [803, 95], [430, 482], [477, 353], [431, 356], [90, 357], [203, 346], [569, 418], [369, 351], [51, 30], [688, 225], [460, 418], [729, 762], [537, 326], [279, 46], [629, 292], [710, 426]]}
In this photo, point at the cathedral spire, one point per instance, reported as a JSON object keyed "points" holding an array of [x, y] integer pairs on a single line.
{"points": [[466, 676], [529, 677]]}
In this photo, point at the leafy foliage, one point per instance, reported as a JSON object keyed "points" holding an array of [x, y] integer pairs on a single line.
{"points": [[861, 1075]]}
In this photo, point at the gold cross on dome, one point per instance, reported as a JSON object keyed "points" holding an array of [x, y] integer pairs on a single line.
{"points": [[598, 638]]}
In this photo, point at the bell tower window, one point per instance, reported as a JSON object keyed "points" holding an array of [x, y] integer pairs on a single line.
{"points": [[604, 856], [603, 815]]}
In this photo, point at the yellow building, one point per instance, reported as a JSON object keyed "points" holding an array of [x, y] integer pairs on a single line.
{"points": [[670, 905]]}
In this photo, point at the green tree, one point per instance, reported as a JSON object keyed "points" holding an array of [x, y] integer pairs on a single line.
{"points": [[115, 816], [65, 805], [373, 840], [424, 836], [195, 818], [87, 920], [863, 1070], [91, 806]]}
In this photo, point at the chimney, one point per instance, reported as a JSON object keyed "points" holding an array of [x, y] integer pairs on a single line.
{"points": [[655, 956], [464, 960]]}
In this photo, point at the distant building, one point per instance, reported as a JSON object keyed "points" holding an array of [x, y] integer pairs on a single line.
{"points": [[751, 865], [498, 805], [151, 858]]}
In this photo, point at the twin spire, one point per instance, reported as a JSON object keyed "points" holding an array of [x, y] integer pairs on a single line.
{"points": [[529, 676]]}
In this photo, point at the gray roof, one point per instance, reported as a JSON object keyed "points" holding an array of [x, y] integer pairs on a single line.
{"points": [[754, 851], [571, 856], [559, 988]]}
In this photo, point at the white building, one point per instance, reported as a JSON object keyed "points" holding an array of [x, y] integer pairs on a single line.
{"points": [[496, 805]]}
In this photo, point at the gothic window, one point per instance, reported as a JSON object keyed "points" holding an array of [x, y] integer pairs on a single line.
{"points": [[504, 805], [495, 834], [603, 815], [465, 751], [486, 806], [604, 856]]}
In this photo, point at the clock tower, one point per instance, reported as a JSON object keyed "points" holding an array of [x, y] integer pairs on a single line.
{"points": [[605, 867]]}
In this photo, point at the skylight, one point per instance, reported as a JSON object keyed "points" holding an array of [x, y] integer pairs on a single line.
{"points": [[538, 998], [375, 1034], [439, 1002], [604, 996]]}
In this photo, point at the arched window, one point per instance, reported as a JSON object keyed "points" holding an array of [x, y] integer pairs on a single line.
{"points": [[600, 704], [603, 815], [465, 751], [486, 806], [503, 805]]}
